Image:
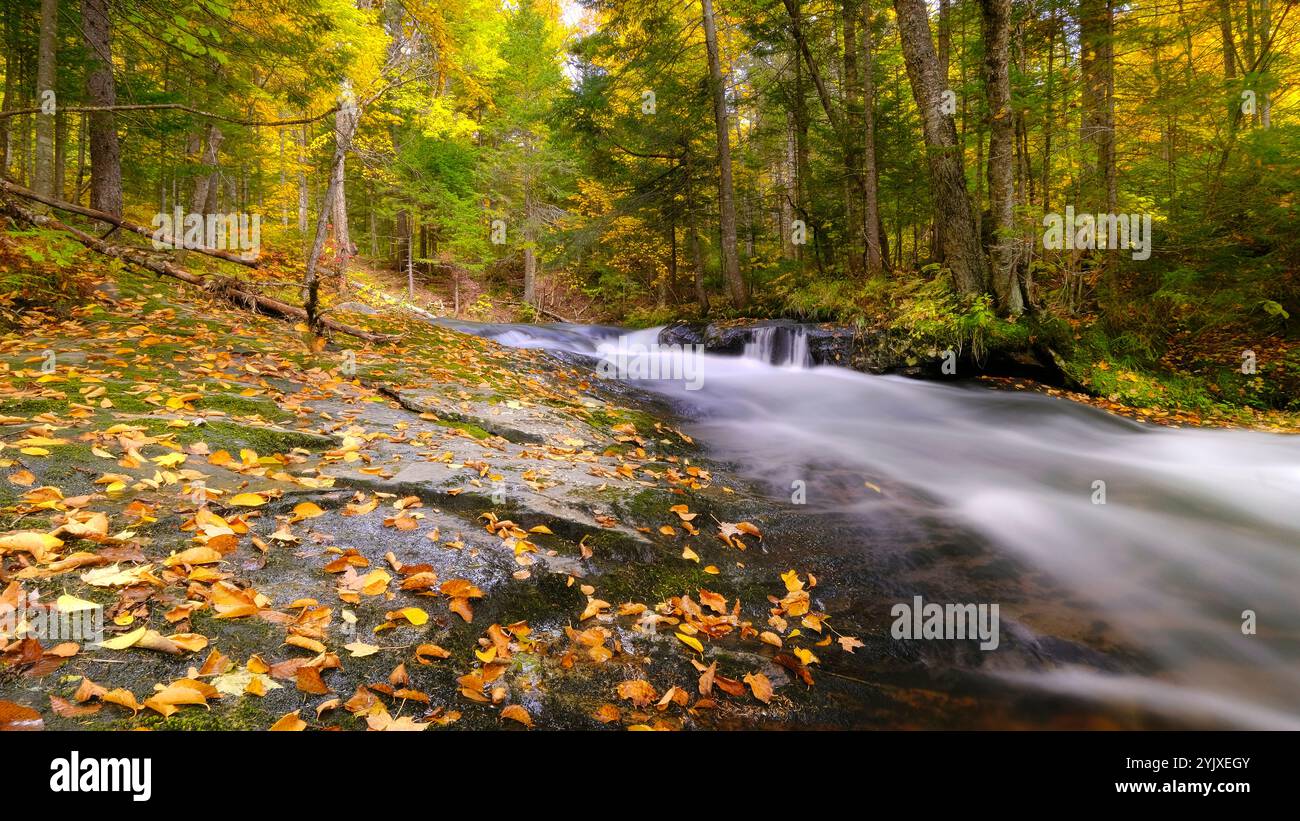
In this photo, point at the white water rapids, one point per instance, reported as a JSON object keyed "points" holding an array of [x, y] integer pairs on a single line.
{"points": [[1197, 526]]}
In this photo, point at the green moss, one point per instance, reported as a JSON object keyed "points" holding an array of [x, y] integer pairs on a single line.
{"points": [[233, 436], [34, 407], [229, 713], [236, 405], [472, 430]]}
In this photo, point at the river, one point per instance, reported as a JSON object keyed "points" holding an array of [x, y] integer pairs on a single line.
{"points": [[1125, 555]]}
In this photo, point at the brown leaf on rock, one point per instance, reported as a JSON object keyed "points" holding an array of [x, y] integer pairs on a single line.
{"points": [[17, 717], [760, 686], [638, 691]]}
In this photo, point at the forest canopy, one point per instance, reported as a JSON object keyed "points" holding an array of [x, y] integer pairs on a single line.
{"points": [[1119, 175]]}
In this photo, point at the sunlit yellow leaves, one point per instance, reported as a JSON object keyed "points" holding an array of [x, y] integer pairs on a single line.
{"points": [[194, 555], [305, 643], [181, 692], [247, 500], [37, 544], [683, 512], [360, 508], [806, 656], [382, 721], [690, 642], [306, 510], [289, 723], [230, 602], [413, 615], [114, 576], [169, 460], [594, 607], [360, 649]]}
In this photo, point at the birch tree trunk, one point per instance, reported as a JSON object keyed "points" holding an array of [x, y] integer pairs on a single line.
{"points": [[43, 178], [311, 280]]}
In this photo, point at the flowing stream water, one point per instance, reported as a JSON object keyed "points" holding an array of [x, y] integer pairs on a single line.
{"points": [[1197, 525]]}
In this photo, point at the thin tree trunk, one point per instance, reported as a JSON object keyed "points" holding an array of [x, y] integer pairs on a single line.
{"points": [[60, 153], [854, 133], [311, 280], [343, 119], [11, 84], [876, 254], [726, 194], [997, 86], [697, 262], [300, 137], [1265, 58]]}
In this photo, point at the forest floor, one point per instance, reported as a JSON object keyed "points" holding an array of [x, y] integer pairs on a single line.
{"points": [[458, 533]]}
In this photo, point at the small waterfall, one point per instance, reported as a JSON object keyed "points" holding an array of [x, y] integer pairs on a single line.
{"points": [[779, 345]]}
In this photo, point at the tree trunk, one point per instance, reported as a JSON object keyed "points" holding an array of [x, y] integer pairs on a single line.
{"points": [[206, 182], [60, 153], [402, 239], [43, 178], [300, 137], [697, 262], [997, 86], [957, 238], [311, 281], [1265, 57], [1098, 185], [726, 195], [343, 119], [854, 132], [105, 154], [11, 84], [875, 233], [788, 191]]}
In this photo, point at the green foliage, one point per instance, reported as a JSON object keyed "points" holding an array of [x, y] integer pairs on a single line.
{"points": [[39, 270]]}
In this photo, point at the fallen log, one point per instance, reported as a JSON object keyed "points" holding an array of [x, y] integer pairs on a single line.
{"points": [[103, 216], [227, 288]]}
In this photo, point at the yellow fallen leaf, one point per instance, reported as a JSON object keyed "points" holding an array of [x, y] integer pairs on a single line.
{"points": [[37, 544], [306, 510], [247, 500], [289, 722], [691, 642], [125, 640]]}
